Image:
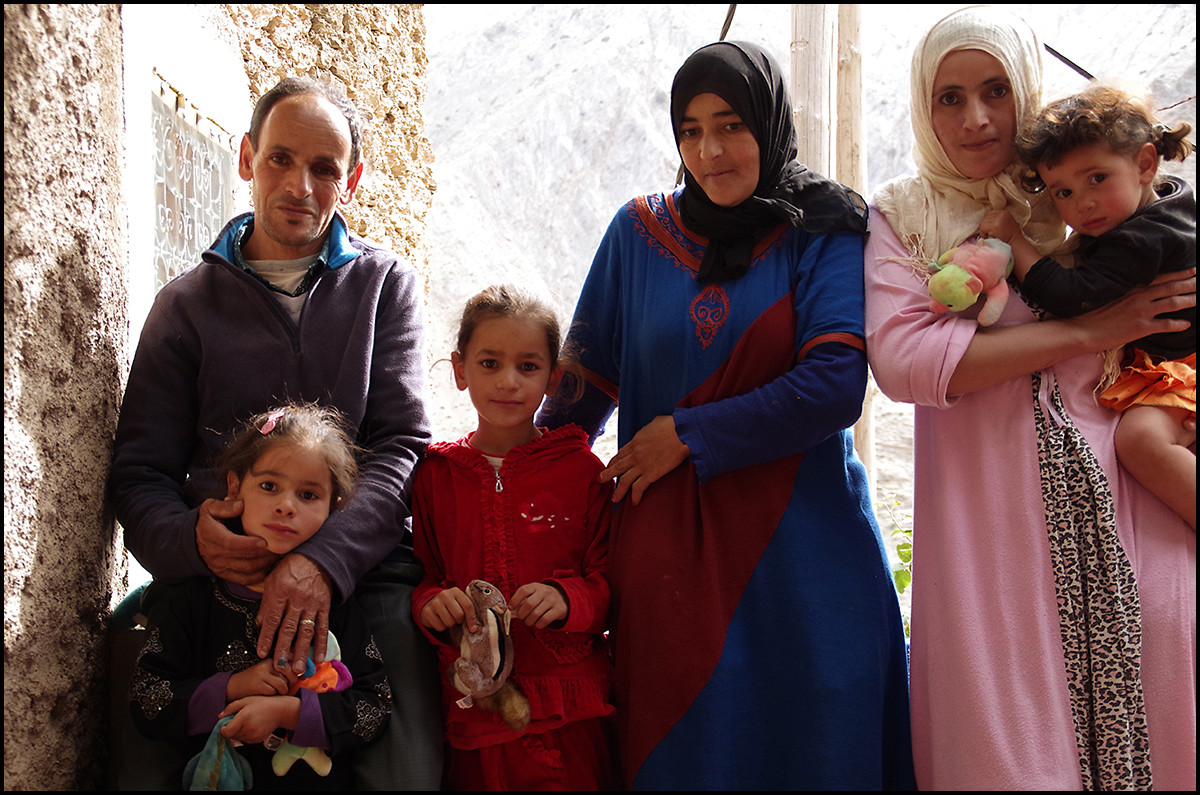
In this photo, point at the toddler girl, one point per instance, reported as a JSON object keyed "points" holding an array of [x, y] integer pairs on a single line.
{"points": [[522, 509], [198, 670], [1097, 153]]}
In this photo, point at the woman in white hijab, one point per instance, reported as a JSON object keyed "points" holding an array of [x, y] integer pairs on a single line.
{"points": [[1053, 615]]}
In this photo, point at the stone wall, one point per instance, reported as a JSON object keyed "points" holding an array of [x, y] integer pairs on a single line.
{"points": [[64, 363], [65, 319]]}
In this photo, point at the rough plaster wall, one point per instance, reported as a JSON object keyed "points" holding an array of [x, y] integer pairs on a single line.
{"points": [[65, 317], [378, 53], [64, 330]]}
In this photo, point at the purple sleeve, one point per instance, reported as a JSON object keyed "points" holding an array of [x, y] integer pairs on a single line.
{"points": [[208, 700], [395, 429], [154, 445], [206, 703], [310, 730]]}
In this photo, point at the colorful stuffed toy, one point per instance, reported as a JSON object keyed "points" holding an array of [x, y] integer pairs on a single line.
{"points": [[219, 766], [329, 676], [486, 658], [965, 272], [287, 754]]}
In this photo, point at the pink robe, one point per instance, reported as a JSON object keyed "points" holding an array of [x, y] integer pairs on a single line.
{"points": [[990, 703]]}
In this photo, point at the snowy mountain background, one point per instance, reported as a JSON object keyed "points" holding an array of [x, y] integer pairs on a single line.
{"points": [[545, 119]]}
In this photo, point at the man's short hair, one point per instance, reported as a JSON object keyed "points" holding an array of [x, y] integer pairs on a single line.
{"points": [[294, 86]]}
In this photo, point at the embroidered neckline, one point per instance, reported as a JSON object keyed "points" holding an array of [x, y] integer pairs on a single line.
{"points": [[658, 215], [656, 218]]}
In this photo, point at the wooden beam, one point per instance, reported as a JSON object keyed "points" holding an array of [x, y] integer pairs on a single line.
{"points": [[813, 51], [826, 85]]}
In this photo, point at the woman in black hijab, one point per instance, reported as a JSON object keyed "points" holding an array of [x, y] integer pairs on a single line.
{"points": [[757, 633], [749, 80]]}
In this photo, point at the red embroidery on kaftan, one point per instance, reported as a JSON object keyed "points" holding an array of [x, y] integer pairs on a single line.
{"points": [[656, 233], [657, 220], [709, 311]]}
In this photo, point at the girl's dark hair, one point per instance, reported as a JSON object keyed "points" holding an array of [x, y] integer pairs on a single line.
{"points": [[1098, 114], [505, 300], [318, 428]]}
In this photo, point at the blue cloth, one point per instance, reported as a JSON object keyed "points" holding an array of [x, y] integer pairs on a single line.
{"points": [[759, 642], [218, 766]]}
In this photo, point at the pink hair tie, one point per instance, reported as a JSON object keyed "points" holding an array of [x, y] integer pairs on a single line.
{"points": [[269, 425]]}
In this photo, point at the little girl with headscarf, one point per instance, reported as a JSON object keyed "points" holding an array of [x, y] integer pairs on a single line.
{"points": [[1053, 612], [758, 637]]}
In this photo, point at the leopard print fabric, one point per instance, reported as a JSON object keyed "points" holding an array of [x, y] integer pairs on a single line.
{"points": [[1098, 606]]}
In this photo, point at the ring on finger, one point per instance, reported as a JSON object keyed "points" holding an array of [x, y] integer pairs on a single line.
{"points": [[308, 622]]}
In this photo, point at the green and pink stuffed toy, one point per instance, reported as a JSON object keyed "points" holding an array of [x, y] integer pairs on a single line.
{"points": [[964, 273]]}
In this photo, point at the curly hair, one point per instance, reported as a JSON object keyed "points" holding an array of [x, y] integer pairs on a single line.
{"points": [[1098, 114], [307, 425]]}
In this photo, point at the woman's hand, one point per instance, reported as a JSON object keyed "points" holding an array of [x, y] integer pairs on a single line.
{"points": [[1001, 225], [999, 354], [538, 604], [256, 718], [449, 608], [1136, 314], [653, 451], [263, 678]]}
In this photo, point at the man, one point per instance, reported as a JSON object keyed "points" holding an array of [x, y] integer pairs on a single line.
{"points": [[288, 305]]}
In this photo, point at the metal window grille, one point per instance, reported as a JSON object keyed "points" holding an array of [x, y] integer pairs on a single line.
{"points": [[194, 172]]}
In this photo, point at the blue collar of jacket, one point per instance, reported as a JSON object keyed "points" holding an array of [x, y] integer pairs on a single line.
{"points": [[335, 252]]}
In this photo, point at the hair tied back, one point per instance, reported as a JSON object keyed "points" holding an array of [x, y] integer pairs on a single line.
{"points": [[269, 425]]}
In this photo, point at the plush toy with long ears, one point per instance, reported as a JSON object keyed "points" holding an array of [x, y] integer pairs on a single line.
{"points": [[964, 273], [486, 658]]}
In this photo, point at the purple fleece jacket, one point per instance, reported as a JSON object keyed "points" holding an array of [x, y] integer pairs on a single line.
{"points": [[218, 347]]}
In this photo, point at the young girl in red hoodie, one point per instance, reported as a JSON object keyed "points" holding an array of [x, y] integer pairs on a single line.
{"points": [[521, 508]]}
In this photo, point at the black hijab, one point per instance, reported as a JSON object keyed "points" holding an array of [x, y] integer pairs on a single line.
{"points": [[747, 78]]}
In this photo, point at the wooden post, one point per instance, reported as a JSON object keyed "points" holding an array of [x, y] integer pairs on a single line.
{"points": [[826, 71], [814, 48], [852, 171], [851, 154]]}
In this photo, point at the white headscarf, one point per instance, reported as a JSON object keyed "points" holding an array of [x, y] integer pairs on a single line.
{"points": [[940, 208]]}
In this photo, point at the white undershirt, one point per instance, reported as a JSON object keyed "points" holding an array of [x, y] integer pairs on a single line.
{"points": [[286, 274]]}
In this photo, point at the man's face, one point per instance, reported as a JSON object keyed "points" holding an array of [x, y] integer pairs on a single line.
{"points": [[299, 173]]}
